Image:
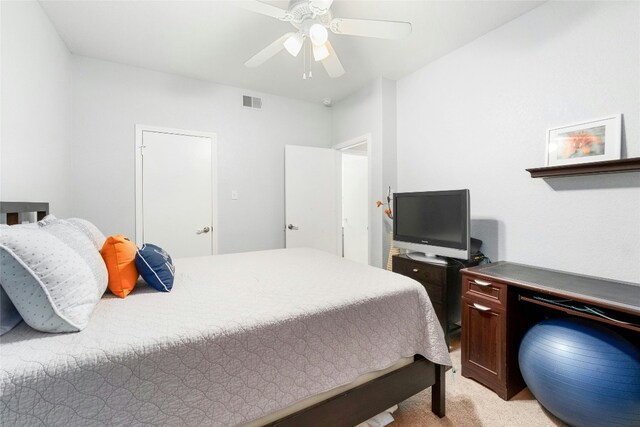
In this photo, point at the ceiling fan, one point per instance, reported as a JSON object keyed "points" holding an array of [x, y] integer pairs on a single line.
{"points": [[311, 18]]}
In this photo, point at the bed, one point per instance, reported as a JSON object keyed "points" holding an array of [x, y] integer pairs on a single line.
{"points": [[284, 337]]}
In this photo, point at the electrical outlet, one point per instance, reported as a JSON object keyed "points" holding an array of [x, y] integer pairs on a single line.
{"points": [[234, 194]]}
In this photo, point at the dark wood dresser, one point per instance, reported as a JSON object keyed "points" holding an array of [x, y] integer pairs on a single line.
{"points": [[442, 283], [501, 301]]}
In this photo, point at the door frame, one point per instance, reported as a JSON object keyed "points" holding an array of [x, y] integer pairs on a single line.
{"points": [[139, 130], [359, 140]]}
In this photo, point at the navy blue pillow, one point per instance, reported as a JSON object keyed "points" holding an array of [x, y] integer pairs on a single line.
{"points": [[155, 266]]}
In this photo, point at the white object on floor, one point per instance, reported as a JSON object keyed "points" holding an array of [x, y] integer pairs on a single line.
{"points": [[380, 420]]}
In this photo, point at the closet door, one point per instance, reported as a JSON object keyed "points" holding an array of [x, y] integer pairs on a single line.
{"points": [[176, 191]]}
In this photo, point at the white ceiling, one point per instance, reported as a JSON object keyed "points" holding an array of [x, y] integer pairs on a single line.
{"points": [[211, 40]]}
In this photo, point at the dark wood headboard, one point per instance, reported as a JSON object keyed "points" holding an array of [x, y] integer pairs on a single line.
{"points": [[14, 209]]}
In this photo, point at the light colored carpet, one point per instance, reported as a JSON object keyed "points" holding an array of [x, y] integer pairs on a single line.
{"points": [[468, 403]]}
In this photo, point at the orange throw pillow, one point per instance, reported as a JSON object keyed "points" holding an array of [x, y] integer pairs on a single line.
{"points": [[119, 254]]}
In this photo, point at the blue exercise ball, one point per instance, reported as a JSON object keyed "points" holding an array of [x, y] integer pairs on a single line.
{"points": [[583, 373]]}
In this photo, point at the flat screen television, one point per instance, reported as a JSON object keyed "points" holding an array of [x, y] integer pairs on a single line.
{"points": [[434, 224]]}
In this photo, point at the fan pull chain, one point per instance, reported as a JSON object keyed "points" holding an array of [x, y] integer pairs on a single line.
{"points": [[304, 60], [306, 65], [310, 56]]}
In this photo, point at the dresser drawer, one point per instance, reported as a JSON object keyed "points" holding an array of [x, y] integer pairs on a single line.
{"points": [[488, 290], [435, 292], [421, 272]]}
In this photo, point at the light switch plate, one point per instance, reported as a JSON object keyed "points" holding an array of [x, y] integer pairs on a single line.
{"points": [[234, 194]]}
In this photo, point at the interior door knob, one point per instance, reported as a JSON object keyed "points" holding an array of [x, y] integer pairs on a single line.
{"points": [[292, 227], [203, 230]]}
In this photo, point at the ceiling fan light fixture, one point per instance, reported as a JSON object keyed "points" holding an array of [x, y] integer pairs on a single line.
{"points": [[293, 44], [312, 19], [320, 52], [318, 34]]}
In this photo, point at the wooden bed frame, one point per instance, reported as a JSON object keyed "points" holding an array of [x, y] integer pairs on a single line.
{"points": [[358, 404], [348, 408]]}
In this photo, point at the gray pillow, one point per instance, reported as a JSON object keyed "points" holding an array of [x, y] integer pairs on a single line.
{"points": [[92, 232], [9, 316], [53, 275]]}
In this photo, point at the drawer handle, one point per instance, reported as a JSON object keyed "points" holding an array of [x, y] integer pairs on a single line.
{"points": [[481, 307], [481, 282], [415, 270]]}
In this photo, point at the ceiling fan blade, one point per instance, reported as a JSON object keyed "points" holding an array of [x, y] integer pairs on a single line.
{"points": [[393, 30], [265, 9], [267, 52], [321, 5], [332, 63]]}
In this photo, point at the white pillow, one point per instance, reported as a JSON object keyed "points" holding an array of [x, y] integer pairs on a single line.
{"points": [[53, 275], [9, 316], [92, 232]]}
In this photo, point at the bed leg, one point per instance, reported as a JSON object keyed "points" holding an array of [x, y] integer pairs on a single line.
{"points": [[438, 392]]}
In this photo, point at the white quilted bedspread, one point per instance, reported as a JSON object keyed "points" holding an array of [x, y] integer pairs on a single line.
{"points": [[240, 336]]}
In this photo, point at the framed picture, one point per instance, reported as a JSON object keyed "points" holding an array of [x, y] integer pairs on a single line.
{"points": [[591, 141]]}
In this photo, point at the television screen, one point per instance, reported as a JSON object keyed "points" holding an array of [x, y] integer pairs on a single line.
{"points": [[437, 219]]}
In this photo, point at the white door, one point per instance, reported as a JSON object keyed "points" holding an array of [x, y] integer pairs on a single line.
{"points": [[355, 210], [176, 191], [311, 205]]}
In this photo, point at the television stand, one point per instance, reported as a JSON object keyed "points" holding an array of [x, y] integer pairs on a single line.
{"points": [[430, 258], [443, 285]]}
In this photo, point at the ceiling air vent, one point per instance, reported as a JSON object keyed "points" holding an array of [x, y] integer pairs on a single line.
{"points": [[251, 102]]}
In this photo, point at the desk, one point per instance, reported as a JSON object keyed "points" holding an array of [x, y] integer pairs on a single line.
{"points": [[501, 301]]}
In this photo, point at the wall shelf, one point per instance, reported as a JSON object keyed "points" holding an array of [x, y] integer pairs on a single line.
{"points": [[608, 166]]}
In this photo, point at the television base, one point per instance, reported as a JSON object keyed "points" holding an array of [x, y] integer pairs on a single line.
{"points": [[430, 258]]}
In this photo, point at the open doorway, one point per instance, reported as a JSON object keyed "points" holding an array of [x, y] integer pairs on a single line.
{"points": [[354, 197]]}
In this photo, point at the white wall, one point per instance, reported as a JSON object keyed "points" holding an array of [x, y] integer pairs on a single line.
{"points": [[36, 119], [109, 99], [477, 118], [371, 110]]}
